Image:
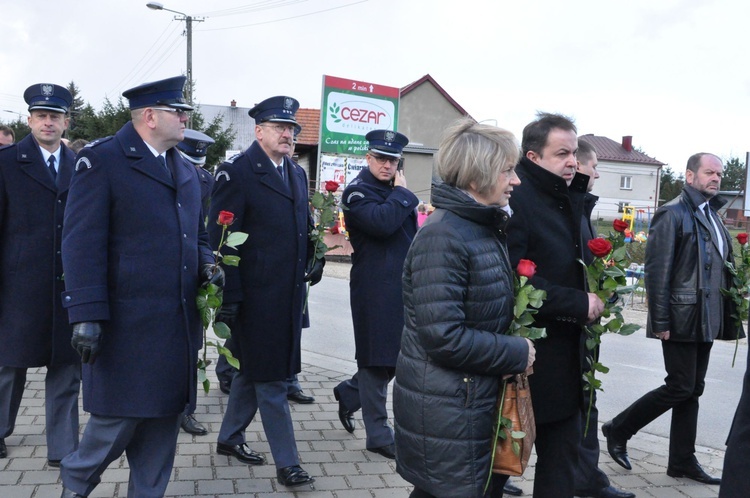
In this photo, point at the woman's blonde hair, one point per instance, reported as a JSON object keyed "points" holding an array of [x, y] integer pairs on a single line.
{"points": [[474, 153]]}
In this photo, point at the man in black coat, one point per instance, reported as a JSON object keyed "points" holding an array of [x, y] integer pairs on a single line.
{"points": [[735, 482], [135, 251], [380, 215], [546, 228], [264, 298], [34, 329], [590, 480], [685, 269]]}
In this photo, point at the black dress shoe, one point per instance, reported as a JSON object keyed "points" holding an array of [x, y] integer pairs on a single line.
{"points": [[694, 472], [70, 494], [53, 463], [3, 448], [192, 426], [510, 489], [293, 476], [346, 417], [225, 386], [388, 451], [301, 398], [608, 492], [617, 449], [241, 452]]}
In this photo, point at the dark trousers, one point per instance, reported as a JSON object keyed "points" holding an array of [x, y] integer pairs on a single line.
{"points": [[588, 475], [149, 444], [495, 489], [247, 398], [368, 390], [557, 456], [226, 372], [61, 387], [734, 479], [686, 364]]}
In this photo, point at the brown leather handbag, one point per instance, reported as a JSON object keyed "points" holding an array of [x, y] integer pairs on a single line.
{"points": [[512, 452]]}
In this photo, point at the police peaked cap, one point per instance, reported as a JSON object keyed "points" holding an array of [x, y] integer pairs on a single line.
{"points": [[276, 110], [168, 92], [195, 146], [387, 142], [48, 96]]}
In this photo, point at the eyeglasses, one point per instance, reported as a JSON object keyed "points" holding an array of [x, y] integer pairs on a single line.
{"points": [[180, 112], [279, 128], [384, 159]]}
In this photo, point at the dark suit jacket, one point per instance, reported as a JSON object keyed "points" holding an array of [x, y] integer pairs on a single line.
{"points": [[132, 246], [34, 327]]}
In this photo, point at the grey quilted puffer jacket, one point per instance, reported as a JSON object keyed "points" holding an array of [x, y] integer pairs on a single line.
{"points": [[458, 302]]}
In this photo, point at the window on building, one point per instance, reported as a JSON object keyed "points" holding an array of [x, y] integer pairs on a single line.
{"points": [[626, 183]]}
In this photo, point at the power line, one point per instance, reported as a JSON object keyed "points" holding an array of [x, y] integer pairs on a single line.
{"points": [[265, 5], [150, 54], [285, 18]]}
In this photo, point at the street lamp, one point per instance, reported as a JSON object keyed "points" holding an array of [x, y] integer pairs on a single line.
{"points": [[189, 33]]}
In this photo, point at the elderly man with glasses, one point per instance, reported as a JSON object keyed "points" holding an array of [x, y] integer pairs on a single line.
{"points": [[381, 217], [264, 300]]}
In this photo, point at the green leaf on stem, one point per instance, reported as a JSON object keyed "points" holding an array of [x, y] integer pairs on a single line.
{"points": [[231, 260], [222, 330]]}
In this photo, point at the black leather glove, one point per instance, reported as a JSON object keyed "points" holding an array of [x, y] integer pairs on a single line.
{"points": [[212, 274], [87, 337], [314, 271], [228, 313]]}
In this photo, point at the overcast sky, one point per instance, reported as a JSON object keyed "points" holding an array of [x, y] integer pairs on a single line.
{"points": [[673, 74]]}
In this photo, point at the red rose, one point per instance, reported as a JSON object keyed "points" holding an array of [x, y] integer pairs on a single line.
{"points": [[742, 238], [331, 186], [526, 268], [334, 229], [226, 218], [600, 247], [620, 226]]}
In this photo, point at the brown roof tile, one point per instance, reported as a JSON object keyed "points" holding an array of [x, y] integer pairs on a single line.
{"points": [[309, 119], [609, 150]]}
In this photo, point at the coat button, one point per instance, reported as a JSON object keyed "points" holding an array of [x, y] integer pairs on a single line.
{"points": [[179, 205], [68, 299], [184, 236], [184, 268]]}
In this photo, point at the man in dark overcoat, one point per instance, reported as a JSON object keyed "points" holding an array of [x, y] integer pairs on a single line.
{"points": [[135, 251], [735, 482], [546, 229], [380, 215], [34, 330], [264, 298]]}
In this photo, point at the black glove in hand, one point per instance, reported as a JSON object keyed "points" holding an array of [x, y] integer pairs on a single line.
{"points": [[314, 270], [86, 340], [228, 314], [212, 274]]}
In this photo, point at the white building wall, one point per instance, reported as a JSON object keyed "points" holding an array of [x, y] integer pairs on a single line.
{"points": [[642, 195]]}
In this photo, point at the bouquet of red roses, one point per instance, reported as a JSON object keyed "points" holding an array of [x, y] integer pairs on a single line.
{"points": [[606, 278], [740, 288]]}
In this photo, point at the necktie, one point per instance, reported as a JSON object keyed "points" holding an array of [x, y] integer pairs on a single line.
{"points": [[164, 163], [281, 171], [51, 163], [707, 212]]}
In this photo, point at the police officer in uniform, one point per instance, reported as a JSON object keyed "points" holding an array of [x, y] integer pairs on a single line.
{"points": [[380, 215], [265, 295], [194, 148], [135, 251], [34, 330]]}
